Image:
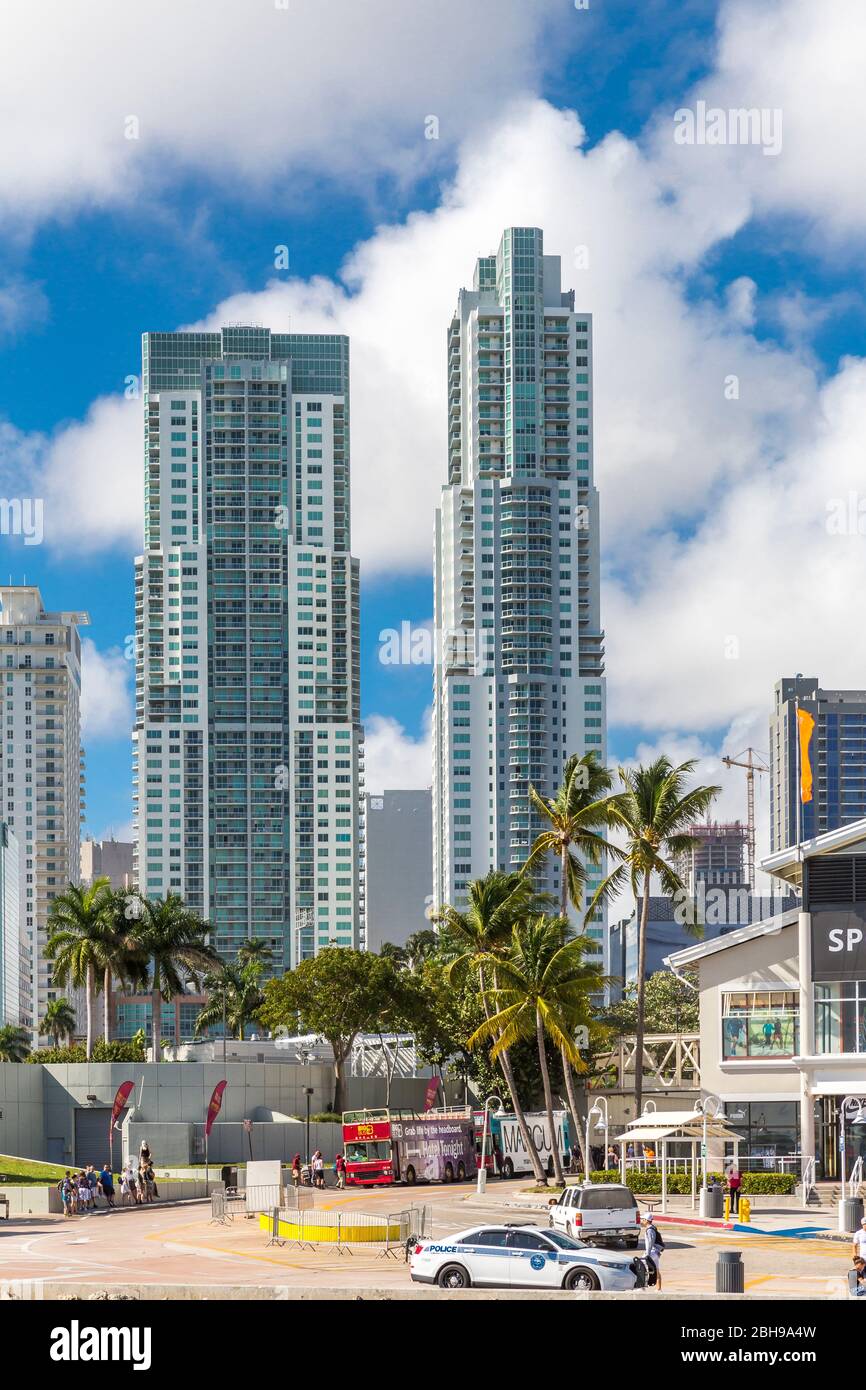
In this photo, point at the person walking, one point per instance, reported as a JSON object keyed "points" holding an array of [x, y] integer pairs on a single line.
{"points": [[84, 1192], [859, 1241], [106, 1182], [296, 1170], [64, 1187], [734, 1184], [340, 1170], [653, 1245], [318, 1166]]}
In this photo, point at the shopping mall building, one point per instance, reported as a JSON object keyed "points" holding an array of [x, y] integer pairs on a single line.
{"points": [[783, 1010]]}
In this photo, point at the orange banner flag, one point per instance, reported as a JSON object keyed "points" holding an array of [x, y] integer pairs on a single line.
{"points": [[805, 728]]}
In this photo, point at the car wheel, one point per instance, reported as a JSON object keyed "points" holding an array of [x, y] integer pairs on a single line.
{"points": [[508, 1168], [632, 1242], [410, 1176], [461, 1172], [582, 1278], [569, 1230], [448, 1175], [453, 1277]]}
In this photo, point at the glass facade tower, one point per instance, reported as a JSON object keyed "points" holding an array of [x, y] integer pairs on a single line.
{"points": [[248, 742], [519, 675]]}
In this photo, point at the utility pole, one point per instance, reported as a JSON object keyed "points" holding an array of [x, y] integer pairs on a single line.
{"points": [[750, 760]]}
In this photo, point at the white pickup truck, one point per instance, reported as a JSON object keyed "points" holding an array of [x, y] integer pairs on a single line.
{"points": [[597, 1213]]}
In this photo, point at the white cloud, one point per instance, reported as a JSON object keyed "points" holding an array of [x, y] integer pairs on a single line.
{"points": [[309, 87], [89, 474], [106, 698], [764, 587], [395, 761], [801, 65]]}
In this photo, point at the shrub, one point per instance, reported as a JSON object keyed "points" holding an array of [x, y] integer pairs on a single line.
{"points": [[327, 1117], [102, 1052], [650, 1181]]}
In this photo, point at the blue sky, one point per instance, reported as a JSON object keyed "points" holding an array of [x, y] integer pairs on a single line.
{"points": [[704, 263]]}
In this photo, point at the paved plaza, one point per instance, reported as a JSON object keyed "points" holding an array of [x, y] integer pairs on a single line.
{"points": [[178, 1245]]}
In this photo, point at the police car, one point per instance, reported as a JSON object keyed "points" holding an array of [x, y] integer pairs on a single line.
{"points": [[525, 1257]]}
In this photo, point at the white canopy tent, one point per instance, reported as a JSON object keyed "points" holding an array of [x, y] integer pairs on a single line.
{"points": [[659, 1129]]}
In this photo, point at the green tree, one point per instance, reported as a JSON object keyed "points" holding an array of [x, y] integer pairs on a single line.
{"points": [[58, 1021], [234, 994], [173, 939], [338, 994], [576, 816], [477, 939], [14, 1043], [543, 988], [257, 952], [670, 1006], [655, 810], [79, 925]]}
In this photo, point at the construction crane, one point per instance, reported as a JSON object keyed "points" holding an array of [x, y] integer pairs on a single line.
{"points": [[752, 762]]}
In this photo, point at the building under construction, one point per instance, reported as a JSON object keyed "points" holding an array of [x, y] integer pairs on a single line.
{"points": [[717, 855]]}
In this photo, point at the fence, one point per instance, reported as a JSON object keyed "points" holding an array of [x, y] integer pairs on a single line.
{"points": [[309, 1228]]}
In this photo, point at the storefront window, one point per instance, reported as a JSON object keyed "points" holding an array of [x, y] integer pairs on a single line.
{"points": [[840, 1016], [770, 1131], [760, 1023]]}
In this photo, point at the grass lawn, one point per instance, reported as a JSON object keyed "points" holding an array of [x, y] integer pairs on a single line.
{"points": [[28, 1170]]}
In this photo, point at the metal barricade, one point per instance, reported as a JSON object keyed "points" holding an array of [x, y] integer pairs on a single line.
{"points": [[218, 1211], [258, 1199]]}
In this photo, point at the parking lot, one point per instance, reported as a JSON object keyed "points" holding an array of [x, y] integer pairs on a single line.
{"points": [[177, 1245]]}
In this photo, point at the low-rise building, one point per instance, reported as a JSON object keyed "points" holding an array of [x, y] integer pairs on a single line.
{"points": [[783, 1010]]}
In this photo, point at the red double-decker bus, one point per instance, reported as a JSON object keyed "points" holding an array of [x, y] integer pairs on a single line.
{"points": [[382, 1147]]}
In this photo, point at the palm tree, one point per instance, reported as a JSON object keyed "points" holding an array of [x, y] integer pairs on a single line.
{"points": [[234, 995], [121, 961], [78, 925], [173, 939], [14, 1043], [575, 816], [256, 951], [478, 939], [655, 810], [579, 810], [544, 983], [58, 1021]]}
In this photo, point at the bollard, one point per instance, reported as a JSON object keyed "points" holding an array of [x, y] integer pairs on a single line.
{"points": [[727, 1211], [730, 1273], [745, 1211]]}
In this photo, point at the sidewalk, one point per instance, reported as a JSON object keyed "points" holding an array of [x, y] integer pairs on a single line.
{"points": [[796, 1222]]}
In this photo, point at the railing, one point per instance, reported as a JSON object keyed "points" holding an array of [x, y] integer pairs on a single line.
{"points": [[808, 1179], [856, 1178], [670, 1061]]}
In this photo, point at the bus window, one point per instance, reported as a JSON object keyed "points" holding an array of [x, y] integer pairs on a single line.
{"points": [[368, 1153]]}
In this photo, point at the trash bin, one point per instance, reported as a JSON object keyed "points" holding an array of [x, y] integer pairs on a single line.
{"points": [[850, 1214], [712, 1202], [730, 1273]]}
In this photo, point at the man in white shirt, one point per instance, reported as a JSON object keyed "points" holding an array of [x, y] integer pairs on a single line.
{"points": [[859, 1243]]}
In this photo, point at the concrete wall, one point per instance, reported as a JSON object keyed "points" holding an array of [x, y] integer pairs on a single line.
{"points": [[22, 1113], [767, 962], [38, 1103]]}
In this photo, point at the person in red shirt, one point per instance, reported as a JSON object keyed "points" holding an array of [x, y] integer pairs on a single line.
{"points": [[734, 1181]]}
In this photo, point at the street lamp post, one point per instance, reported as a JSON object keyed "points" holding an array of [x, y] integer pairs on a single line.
{"points": [[481, 1182], [852, 1105], [595, 1110], [603, 1122], [308, 1091]]}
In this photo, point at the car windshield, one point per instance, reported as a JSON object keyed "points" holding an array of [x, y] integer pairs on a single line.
{"points": [[566, 1242]]}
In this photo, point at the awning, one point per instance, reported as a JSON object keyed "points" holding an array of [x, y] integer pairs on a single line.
{"points": [[654, 1134]]}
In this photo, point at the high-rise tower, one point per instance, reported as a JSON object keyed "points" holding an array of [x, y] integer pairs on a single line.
{"points": [[519, 681], [248, 741], [42, 771]]}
